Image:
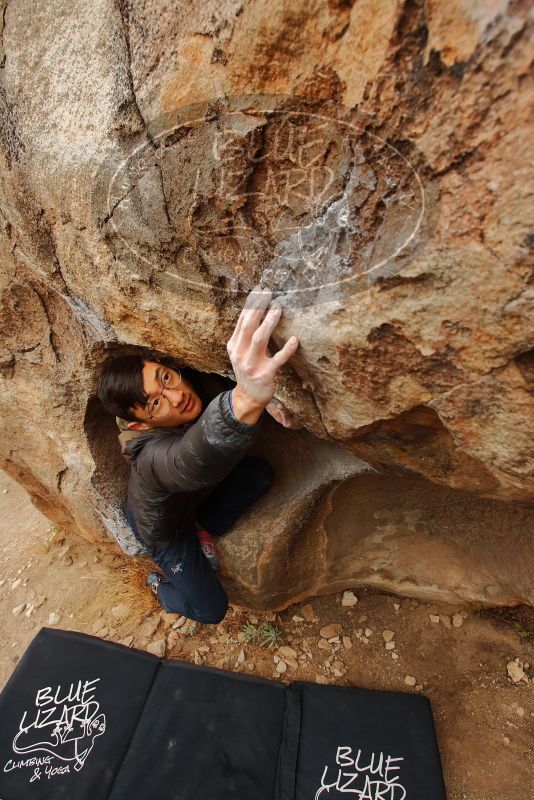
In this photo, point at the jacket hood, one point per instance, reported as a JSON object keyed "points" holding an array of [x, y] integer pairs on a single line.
{"points": [[132, 442], [126, 435]]}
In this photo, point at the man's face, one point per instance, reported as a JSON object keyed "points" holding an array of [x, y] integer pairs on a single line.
{"points": [[183, 397]]}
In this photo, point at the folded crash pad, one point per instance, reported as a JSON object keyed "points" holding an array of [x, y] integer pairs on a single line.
{"points": [[86, 719]]}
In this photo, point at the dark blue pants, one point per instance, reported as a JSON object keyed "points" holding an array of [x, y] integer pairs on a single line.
{"points": [[192, 587]]}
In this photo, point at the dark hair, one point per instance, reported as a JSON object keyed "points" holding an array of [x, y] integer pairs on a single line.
{"points": [[121, 383], [121, 386]]}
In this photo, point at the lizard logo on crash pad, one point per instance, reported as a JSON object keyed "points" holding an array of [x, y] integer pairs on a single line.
{"points": [[59, 729]]}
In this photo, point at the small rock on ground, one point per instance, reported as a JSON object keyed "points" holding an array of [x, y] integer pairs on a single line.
{"points": [[333, 629], [349, 599], [516, 672], [158, 648]]}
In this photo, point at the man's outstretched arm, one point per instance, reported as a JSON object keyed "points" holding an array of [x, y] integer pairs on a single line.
{"points": [[205, 453], [245, 409], [209, 449]]}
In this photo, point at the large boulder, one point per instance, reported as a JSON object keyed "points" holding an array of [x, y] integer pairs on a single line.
{"points": [[372, 163]]}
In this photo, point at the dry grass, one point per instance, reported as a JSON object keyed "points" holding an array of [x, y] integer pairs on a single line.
{"points": [[128, 588]]}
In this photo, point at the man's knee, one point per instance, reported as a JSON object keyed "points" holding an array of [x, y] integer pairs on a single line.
{"points": [[210, 614], [213, 613]]}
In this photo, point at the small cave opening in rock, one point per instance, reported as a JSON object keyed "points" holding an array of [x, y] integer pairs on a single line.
{"points": [[525, 364], [110, 476], [304, 465]]}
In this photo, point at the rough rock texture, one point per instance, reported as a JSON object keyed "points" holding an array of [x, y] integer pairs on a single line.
{"points": [[370, 161], [395, 533]]}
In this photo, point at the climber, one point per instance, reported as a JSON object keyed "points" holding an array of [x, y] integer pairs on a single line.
{"points": [[190, 478]]}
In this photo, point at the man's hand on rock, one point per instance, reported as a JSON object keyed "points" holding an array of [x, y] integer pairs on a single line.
{"points": [[254, 367]]}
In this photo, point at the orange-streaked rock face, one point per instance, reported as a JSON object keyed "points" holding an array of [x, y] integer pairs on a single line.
{"points": [[372, 163]]}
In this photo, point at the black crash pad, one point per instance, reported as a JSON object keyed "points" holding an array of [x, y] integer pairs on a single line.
{"points": [[86, 719]]}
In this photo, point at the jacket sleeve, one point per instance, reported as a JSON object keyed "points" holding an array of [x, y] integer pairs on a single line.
{"points": [[205, 453]]}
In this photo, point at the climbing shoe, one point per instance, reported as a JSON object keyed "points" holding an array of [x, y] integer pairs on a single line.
{"points": [[153, 580], [208, 547]]}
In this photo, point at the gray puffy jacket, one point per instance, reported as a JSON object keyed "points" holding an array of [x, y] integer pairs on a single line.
{"points": [[173, 469]]}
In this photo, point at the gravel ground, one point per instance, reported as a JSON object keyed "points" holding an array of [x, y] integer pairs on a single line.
{"points": [[475, 667]]}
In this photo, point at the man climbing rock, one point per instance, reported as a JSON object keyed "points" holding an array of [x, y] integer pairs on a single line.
{"points": [[190, 478]]}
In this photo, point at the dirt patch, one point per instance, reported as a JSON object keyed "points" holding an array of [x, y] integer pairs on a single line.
{"points": [[459, 658]]}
